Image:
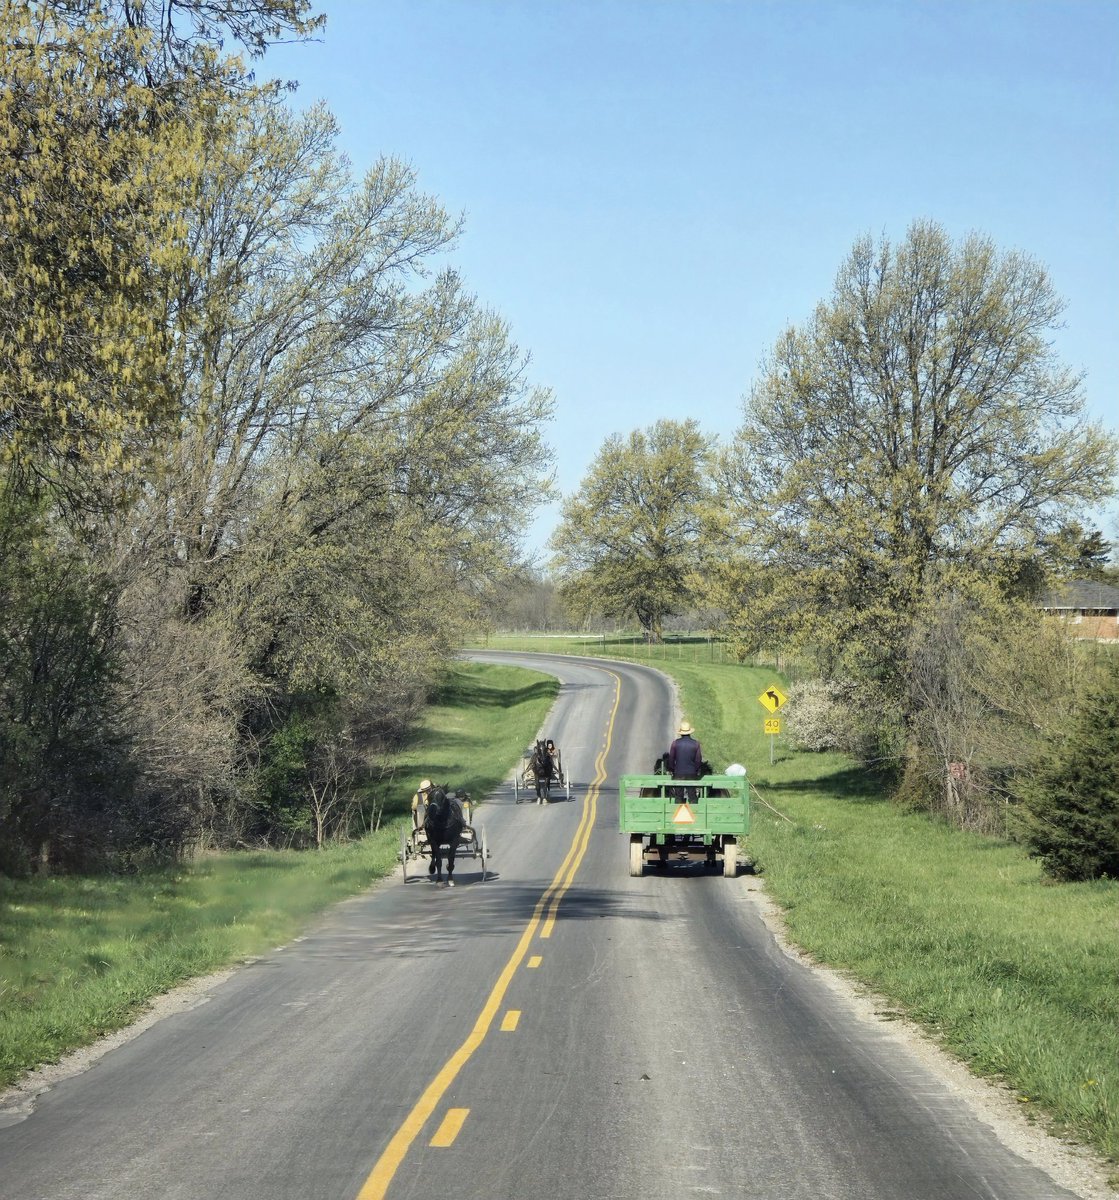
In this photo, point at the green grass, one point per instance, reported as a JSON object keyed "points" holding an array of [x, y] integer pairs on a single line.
{"points": [[1019, 978], [1016, 976], [82, 956]]}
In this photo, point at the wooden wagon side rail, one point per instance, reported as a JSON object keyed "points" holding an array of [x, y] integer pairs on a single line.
{"points": [[651, 803]]}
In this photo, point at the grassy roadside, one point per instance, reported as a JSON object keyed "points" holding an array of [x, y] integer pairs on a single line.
{"points": [[82, 956], [1017, 977]]}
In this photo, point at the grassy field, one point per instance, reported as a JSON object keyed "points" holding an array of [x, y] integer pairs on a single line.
{"points": [[1016, 976], [80, 957]]}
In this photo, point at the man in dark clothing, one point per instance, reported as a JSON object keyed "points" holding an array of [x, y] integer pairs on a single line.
{"points": [[684, 760]]}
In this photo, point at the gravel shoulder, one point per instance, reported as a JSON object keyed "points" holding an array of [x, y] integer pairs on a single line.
{"points": [[1070, 1165]]}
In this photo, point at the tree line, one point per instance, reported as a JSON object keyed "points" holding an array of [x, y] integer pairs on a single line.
{"points": [[910, 474], [263, 456]]}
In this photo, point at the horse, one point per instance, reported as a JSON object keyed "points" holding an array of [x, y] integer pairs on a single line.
{"points": [[543, 771], [444, 821]]}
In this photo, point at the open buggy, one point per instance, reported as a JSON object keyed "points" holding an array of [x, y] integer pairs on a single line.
{"points": [[541, 771], [672, 820], [439, 835]]}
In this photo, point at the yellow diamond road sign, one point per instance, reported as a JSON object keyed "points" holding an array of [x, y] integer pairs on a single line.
{"points": [[772, 698]]}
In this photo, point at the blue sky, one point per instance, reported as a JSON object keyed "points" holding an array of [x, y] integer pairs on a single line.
{"points": [[654, 189]]}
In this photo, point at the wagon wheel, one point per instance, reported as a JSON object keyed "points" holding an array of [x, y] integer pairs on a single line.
{"points": [[404, 853], [636, 855], [484, 851], [730, 857]]}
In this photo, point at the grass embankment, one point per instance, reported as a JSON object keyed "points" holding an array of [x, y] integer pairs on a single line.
{"points": [[1017, 976], [81, 957]]}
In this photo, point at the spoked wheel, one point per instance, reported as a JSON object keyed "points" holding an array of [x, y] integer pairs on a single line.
{"points": [[636, 855], [484, 850], [404, 854]]}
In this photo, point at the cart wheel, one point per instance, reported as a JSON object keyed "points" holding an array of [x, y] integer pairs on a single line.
{"points": [[636, 855], [730, 857], [485, 853], [404, 854]]}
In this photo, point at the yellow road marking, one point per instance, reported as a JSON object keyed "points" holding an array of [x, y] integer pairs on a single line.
{"points": [[377, 1184], [535, 961], [590, 810], [447, 1132], [509, 1021]]}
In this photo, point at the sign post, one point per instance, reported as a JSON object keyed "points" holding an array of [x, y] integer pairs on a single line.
{"points": [[772, 699]]}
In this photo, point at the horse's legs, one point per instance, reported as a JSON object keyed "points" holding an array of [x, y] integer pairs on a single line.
{"points": [[451, 866], [436, 867]]}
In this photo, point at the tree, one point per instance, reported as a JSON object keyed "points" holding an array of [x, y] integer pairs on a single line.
{"points": [[1072, 807], [185, 34], [281, 459], [916, 432], [108, 114], [91, 191], [62, 761], [356, 450], [992, 683], [1081, 553], [629, 541]]}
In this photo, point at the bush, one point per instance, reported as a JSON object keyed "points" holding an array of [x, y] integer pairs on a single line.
{"points": [[832, 714], [1071, 817]]}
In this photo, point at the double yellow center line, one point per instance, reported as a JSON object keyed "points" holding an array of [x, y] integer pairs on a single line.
{"points": [[376, 1186]]}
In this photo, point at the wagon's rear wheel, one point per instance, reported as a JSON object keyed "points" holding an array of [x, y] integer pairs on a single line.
{"points": [[636, 854], [730, 857], [404, 854], [484, 850]]}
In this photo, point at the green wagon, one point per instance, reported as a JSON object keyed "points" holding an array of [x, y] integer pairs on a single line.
{"points": [[672, 820]]}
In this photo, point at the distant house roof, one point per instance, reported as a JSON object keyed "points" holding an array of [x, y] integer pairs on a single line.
{"points": [[1081, 595]]}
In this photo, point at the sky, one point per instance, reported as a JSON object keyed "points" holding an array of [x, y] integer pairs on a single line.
{"points": [[653, 190]]}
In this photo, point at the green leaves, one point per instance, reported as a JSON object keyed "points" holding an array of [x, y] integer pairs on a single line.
{"points": [[631, 539], [917, 426], [298, 452]]}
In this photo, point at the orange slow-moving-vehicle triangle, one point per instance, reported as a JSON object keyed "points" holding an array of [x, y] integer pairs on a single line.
{"points": [[683, 816]]}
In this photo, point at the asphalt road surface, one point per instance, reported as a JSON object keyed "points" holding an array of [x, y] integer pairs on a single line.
{"points": [[561, 1031]]}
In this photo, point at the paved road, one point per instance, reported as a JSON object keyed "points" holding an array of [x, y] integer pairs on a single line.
{"points": [[559, 1032]]}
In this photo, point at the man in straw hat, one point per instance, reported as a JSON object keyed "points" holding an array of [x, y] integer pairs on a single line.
{"points": [[419, 803], [685, 759]]}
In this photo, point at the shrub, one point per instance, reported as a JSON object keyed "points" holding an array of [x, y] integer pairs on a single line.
{"points": [[832, 714], [1071, 809]]}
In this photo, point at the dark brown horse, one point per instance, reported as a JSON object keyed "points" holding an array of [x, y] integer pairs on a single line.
{"points": [[543, 771], [444, 821]]}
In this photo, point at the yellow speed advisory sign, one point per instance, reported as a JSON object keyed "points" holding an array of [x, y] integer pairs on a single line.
{"points": [[773, 725]]}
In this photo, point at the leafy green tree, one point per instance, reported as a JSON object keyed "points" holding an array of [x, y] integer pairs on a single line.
{"points": [[1081, 553], [91, 192], [1072, 806], [107, 111], [63, 763], [185, 37], [916, 433], [992, 683], [292, 455], [357, 450], [629, 542]]}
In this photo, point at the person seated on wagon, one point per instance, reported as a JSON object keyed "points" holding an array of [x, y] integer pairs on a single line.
{"points": [[685, 760], [462, 796], [554, 754], [419, 803]]}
